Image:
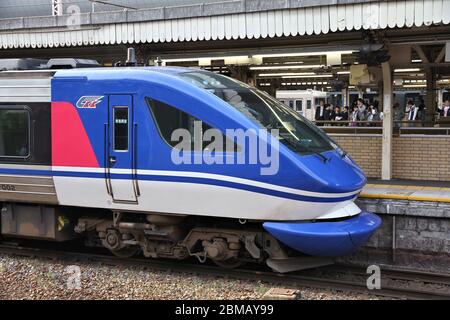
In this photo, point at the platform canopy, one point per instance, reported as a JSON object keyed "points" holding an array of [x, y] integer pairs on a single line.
{"points": [[239, 19]]}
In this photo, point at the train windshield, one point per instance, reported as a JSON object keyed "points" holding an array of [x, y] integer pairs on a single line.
{"points": [[295, 131]]}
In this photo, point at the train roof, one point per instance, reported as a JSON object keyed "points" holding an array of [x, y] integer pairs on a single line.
{"points": [[122, 71]]}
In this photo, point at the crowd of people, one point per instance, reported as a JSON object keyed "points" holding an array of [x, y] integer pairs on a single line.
{"points": [[363, 113], [358, 115]]}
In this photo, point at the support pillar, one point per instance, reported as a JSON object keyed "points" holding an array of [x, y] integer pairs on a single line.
{"points": [[345, 97], [430, 101], [386, 155]]}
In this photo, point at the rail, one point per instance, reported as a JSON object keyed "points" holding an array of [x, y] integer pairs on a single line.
{"points": [[397, 283]]}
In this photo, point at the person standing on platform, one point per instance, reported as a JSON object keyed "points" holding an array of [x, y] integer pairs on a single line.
{"points": [[374, 117], [445, 112], [362, 111], [327, 113], [337, 116], [345, 114], [413, 114]]}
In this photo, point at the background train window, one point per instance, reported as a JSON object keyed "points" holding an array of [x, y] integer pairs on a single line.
{"points": [[120, 128], [14, 133], [169, 118]]}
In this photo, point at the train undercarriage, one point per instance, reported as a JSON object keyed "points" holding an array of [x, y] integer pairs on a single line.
{"points": [[227, 242]]}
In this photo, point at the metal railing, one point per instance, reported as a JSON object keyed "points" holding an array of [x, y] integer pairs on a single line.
{"points": [[401, 128]]}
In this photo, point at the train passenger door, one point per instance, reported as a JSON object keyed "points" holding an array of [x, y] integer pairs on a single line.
{"points": [[121, 174], [299, 106]]}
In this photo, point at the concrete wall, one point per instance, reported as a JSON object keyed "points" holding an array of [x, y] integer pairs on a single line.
{"points": [[414, 158], [413, 234]]}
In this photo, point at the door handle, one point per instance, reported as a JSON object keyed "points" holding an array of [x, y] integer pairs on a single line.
{"points": [[112, 161]]}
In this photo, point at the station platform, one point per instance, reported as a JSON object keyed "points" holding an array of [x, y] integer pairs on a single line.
{"points": [[430, 191]]}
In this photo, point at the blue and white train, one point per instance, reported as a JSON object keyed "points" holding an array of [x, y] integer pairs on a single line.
{"points": [[88, 152]]}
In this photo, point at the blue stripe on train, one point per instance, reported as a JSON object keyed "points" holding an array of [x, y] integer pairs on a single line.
{"points": [[207, 181]]}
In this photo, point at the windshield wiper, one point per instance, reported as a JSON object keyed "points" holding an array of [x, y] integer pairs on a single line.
{"points": [[325, 159]]}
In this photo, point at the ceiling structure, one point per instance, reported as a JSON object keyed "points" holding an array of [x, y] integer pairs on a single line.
{"points": [[289, 43]]}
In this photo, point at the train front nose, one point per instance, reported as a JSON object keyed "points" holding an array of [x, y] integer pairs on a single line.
{"points": [[341, 174], [341, 231], [326, 239]]}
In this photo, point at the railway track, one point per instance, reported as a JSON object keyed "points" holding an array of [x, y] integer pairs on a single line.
{"points": [[292, 280]]}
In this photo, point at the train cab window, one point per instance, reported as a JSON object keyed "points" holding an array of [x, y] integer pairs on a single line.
{"points": [[168, 119], [121, 128], [14, 133], [308, 105]]}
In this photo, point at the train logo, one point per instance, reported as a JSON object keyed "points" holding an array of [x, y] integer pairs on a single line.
{"points": [[89, 102]]}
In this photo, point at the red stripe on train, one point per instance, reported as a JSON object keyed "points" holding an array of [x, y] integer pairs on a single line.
{"points": [[71, 146]]}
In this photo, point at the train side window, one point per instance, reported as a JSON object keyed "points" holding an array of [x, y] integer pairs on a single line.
{"points": [[291, 104], [121, 128], [299, 105], [14, 132], [168, 119]]}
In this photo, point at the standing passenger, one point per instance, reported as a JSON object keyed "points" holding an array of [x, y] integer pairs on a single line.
{"points": [[345, 114], [445, 112], [362, 110], [413, 114]]}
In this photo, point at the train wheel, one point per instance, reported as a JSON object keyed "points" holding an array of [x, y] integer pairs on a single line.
{"points": [[232, 263], [126, 252]]}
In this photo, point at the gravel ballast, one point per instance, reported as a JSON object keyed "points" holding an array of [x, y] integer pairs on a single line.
{"points": [[38, 278]]}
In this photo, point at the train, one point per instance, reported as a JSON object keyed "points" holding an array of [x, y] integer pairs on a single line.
{"points": [[302, 101], [87, 152]]}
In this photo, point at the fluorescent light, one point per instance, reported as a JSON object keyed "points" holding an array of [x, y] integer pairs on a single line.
{"points": [[416, 61], [307, 77], [407, 70], [203, 58], [415, 85], [283, 67], [301, 54], [286, 74], [343, 72]]}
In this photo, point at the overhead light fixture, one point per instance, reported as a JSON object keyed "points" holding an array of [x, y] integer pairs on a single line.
{"points": [[302, 54], [306, 77], [286, 74], [407, 70], [343, 72], [203, 58], [416, 61], [284, 67], [415, 85]]}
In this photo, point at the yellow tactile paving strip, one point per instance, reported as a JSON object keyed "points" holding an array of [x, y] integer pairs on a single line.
{"points": [[413, 193]]}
